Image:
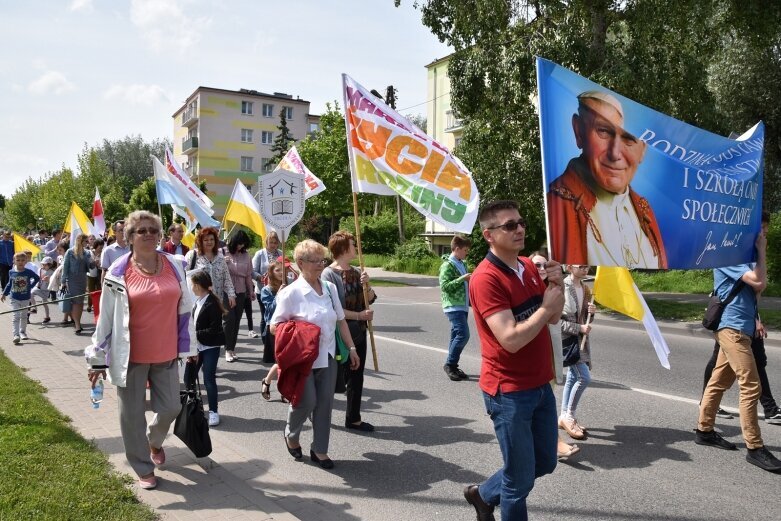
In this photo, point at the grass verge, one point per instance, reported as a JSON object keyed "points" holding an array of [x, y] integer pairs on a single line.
{"points": [[386, 283], [47, 470], [686, 281], [688, 312]]}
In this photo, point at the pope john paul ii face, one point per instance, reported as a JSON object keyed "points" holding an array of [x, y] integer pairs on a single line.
{"points": [[612, 153]]}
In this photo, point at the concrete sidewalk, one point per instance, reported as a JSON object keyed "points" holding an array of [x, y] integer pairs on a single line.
{"points": [[222, 486]]}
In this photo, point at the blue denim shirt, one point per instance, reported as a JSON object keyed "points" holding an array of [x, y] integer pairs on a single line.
{"points": [[740, 314]]}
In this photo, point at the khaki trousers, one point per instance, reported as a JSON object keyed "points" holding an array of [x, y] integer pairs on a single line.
{"points": [[735, 361]]}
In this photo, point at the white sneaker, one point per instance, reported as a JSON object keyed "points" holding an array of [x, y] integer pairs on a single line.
{"points": [[17, 340], [24, 336], [214, 419], [252, 334], [228, 357]]}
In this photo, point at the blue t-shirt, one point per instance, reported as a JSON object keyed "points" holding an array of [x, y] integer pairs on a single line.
{"points": [[741, 313], [20, 284]]}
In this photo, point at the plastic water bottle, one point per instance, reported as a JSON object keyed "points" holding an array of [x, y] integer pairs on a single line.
{"points": [[96, 394]]}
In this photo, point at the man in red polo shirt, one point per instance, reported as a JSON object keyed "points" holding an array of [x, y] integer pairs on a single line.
{"points": [[512, 309]]}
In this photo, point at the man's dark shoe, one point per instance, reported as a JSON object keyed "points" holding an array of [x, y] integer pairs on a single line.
{"points": [[773, 417], [763, 459], [485, 512], [452, 373], [721, 413], [462, 375], [713, 439]]}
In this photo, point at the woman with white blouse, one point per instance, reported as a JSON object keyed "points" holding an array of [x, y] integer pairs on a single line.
{"points": [[313, 300]]}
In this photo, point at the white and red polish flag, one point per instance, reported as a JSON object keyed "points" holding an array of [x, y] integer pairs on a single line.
{"points": [[97, 214]]}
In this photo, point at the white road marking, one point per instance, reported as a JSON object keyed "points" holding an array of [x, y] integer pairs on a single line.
{"points": [[635, 389]]}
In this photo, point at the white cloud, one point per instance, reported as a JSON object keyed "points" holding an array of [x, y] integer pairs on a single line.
{"points": [[136, 94], [51, 82], [78, 5], [166, 24]]}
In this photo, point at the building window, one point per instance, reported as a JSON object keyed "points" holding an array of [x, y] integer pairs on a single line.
{"points": [[246, 107], [266, 165], [313, 127], [288, 113], [268, 110], [266, 137], [246, 135], [246, 164]]}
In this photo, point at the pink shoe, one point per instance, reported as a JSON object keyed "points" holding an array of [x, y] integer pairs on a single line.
{"points": [[158, 458], [148, 482]]}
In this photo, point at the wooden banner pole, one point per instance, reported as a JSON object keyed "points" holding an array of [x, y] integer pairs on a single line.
{"points": [[363, 268], [589, 318]]}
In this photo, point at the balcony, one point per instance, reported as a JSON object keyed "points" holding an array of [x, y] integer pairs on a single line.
{"points": [[190, 145], [452, 122], [190, 117]]}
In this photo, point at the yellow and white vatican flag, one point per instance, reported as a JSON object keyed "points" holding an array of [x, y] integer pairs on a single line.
{"points": [[22, 244], [77, 221], [615, 289], [244, 209]]}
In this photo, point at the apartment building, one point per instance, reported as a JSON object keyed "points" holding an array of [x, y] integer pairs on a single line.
{"points": [[222, 135], [443, 124]]}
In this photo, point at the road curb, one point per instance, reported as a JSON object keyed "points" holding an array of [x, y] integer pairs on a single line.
{"points": [[671, 328]]}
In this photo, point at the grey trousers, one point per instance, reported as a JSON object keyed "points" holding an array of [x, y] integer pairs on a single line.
{"points": [[164, 397], [318, 401]]}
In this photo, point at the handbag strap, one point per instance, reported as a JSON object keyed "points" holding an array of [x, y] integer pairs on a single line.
{"points": [[734, 292]]}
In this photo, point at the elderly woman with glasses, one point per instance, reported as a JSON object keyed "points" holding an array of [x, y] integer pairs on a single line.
{"points": [[142, 331], [313, 300]]}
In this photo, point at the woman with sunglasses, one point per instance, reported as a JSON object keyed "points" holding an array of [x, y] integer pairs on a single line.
{"points": [[540, 258], [577, 308], [141, 332], [311, 299]]}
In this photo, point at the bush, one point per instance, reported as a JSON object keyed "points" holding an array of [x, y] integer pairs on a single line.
{"points": [[774, 249], [414, 249], [379, 234]]}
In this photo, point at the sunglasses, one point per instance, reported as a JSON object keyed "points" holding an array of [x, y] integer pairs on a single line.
{"points": [[580, 266], [145, 231], [539, 265], [510, 226]]}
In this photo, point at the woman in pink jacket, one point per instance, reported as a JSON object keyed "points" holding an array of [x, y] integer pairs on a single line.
{"points": [[240, 268]]}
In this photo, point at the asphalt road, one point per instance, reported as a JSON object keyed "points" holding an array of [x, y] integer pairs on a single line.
{"points": [[433, 435]]}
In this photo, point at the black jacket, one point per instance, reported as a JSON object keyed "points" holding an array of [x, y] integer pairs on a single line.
{"points": [[208, 327]]}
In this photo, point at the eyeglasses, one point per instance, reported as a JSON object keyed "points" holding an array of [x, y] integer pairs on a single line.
{"points": [[539, 265], [510, 226], [319, 262], [145, 231]]}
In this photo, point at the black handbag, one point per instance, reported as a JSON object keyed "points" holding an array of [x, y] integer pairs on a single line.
{"points": [[192, 426], [570, 350], [715, 309]]}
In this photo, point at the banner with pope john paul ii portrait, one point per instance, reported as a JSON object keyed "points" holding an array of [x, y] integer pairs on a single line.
{"points": [[628, 186]]}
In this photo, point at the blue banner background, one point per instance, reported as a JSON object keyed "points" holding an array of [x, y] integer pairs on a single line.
{"points": [[660, 177]]}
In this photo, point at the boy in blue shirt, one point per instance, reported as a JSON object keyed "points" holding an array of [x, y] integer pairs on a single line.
{"points": [[21, 281]]}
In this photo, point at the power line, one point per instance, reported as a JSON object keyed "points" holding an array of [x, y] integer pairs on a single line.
{"points": [[423, 103]]}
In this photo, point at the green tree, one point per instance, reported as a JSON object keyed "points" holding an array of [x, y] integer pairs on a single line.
{"points": [[283, 140], [325, 154], [658, 52], [128, 159]]}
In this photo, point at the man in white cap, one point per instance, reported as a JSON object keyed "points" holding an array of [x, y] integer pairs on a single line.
{"points": [[596, 217]]}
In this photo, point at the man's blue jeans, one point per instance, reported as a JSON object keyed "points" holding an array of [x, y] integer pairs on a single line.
{"points": [[459, 335], [525, 423]]}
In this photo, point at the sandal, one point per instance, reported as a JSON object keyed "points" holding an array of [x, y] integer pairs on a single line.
{"points": [[265, 390]]}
